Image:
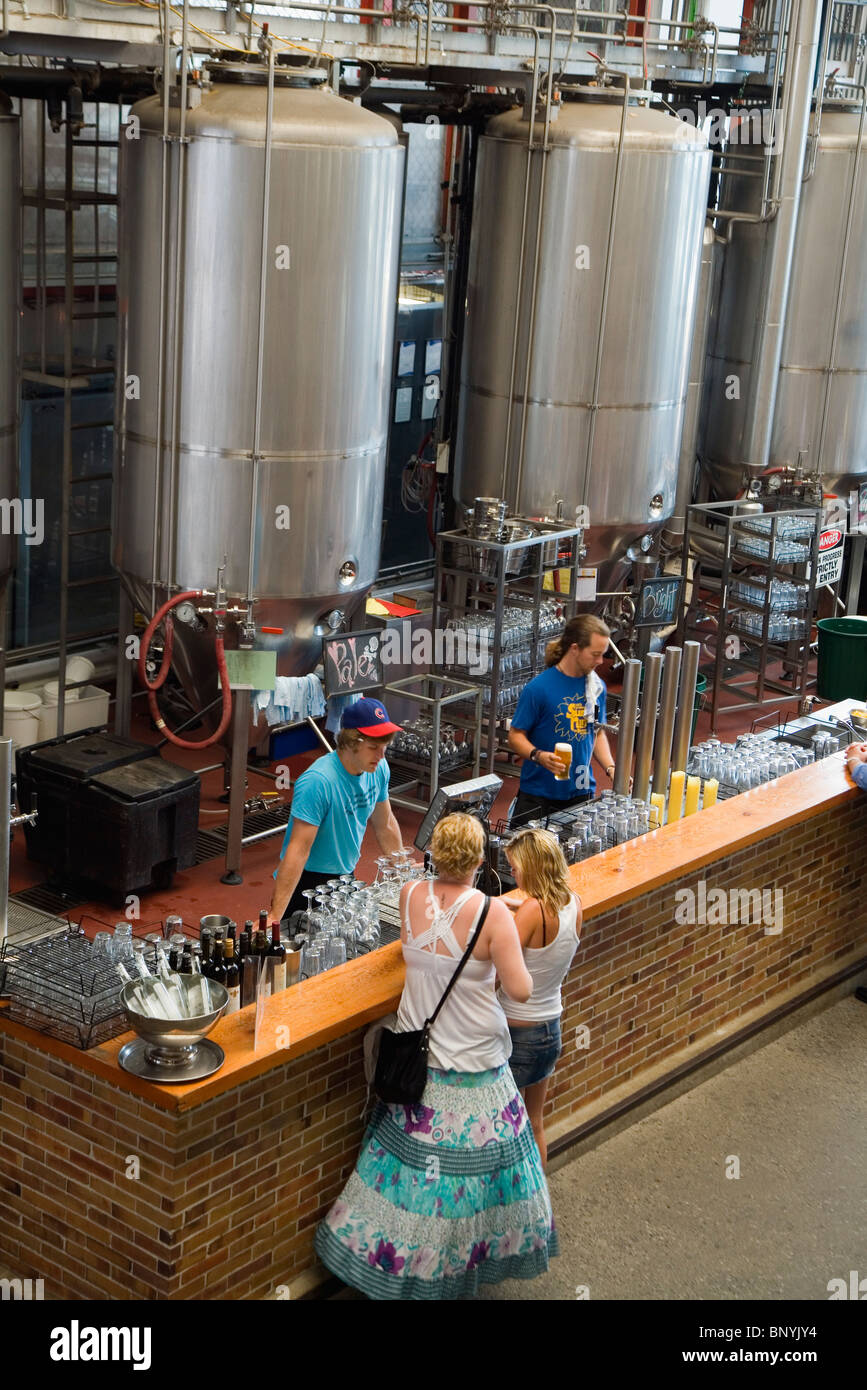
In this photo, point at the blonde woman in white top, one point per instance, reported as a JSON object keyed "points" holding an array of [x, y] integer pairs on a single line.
{"points": [[548, 924], [450, 1193]]}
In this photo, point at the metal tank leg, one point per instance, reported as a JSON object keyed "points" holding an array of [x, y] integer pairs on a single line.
{"points": [[123, 685], [5, 798], [856, 568], [237, 787]]}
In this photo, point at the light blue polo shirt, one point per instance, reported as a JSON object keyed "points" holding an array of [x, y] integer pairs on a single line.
{"points": [[328, 796]]}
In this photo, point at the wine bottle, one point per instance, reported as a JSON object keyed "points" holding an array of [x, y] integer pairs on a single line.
{"points": [[207, 960], [218, 969], [186, 966], [233, 979], [277, 953], [249, 977], [264, 927], [232, 934]]}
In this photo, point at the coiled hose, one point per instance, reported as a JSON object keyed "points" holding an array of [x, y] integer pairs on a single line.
{"points": [[153, 686]]}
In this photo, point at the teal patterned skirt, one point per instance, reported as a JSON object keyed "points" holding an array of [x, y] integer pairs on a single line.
{"points": [[446, 1195]]}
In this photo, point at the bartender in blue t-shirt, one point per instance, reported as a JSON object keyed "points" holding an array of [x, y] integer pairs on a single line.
{"points": [[332, 804], [564, 704]]}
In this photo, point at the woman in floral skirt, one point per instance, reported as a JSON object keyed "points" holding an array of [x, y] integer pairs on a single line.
{"points": [[448, 1194]]}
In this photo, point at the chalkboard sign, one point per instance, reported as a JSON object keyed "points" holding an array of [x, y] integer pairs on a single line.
{"points": [[352, 662], [659, 601]]}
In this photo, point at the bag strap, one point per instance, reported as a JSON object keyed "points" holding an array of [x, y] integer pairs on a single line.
{"points": [[464, 958]]}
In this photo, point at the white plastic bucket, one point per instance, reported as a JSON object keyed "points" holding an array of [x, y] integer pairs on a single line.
{"points": [[21, 717], [78, 668]]}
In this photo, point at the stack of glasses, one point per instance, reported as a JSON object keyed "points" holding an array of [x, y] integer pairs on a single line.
{"points": [[780, 627], [342, 916], [753, 759], [598, 825], [414, 744], [474, 638], [783, 596]]}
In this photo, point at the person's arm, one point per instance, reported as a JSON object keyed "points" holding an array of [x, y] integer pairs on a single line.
{"points": [[504, 947], [291, 866], [386, 828], [856, 763], [602, 753], [520, 744]]}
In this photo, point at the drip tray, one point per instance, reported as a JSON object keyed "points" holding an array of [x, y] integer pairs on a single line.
{"points": [[208, 1057]]}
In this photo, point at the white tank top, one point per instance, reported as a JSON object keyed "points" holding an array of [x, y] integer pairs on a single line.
{"points": [[471, 1033], [548, 966]]}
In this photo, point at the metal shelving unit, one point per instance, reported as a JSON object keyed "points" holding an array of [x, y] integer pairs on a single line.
{"points": [[435, 694], [767, 549], [483, 576]]}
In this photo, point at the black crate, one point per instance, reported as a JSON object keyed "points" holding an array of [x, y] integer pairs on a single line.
{"points": [[112, 812]]}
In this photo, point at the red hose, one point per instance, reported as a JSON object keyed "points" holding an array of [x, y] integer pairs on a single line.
{"points": [[153, 686]]}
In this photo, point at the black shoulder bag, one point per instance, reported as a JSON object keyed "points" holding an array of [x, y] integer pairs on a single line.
{"points": [[401, 1067]]}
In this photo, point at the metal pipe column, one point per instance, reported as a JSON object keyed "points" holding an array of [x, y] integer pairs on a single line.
{"points": [[662, 755], [686, 698], [5, 801], [771, 315], [652, 675], [626, 734]]}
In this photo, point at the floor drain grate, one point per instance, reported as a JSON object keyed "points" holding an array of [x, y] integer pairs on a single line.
{"points": [[45, 898], [210, 844]]}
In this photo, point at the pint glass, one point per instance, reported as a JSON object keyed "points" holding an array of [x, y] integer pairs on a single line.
{"points": [[564, 752]]}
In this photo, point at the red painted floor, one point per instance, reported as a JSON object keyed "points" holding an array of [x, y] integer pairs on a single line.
{"points": [[199, 891]]}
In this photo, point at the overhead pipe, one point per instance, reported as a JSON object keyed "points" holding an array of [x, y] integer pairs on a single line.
{"points": [[665, 726], [606, 283], [626, 733], [685, 703], [674, 528], [644, 748], [771, 315], [844, 265]]}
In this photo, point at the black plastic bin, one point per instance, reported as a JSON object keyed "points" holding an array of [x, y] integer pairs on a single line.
{"points": [[111, 811]]}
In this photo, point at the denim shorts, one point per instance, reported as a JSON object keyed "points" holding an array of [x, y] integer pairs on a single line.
{"points": [[535, 1050]]}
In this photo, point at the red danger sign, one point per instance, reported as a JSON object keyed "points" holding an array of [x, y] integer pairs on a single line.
{"points": [[829, 539]]}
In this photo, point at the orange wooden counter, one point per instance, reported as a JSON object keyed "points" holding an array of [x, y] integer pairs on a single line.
{"points": [[115, 1187]]}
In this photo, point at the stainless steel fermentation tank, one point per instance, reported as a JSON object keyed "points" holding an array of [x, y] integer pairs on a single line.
{"points": [[333, 234], [625, 467], [822, 374], [9, 205]]}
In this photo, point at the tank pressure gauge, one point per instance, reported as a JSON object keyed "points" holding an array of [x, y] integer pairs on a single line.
{"points": [[186, 613]]}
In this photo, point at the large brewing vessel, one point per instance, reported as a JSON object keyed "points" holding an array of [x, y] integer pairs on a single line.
{"points": [[9, 205], [627, 477], [336, 179], [823, 372]]}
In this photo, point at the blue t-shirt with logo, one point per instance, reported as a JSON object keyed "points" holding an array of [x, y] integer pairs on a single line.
{"points": [[340, 804], [553, 709]]}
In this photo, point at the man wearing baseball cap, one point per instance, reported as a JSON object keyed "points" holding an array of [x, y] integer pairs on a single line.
{"points": [[332, 804]]}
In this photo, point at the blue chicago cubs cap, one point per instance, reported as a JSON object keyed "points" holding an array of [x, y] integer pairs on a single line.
{"points": [[369, 717]]}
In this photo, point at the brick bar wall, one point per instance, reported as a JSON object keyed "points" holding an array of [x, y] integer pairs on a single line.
{"points": [[228, 1195]]}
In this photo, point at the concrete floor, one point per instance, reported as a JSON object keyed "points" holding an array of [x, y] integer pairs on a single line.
{"points": [[650, 1213]]}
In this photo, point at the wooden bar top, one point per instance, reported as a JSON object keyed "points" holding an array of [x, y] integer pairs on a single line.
{"points": [[311, 1014]]}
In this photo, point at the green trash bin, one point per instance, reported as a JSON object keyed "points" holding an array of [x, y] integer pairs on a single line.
{"points": [[842, 668]]}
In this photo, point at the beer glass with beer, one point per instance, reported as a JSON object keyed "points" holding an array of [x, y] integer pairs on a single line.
{"points": [[564, 752]]}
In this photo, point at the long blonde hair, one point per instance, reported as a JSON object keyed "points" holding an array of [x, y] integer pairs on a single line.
{"points": [[579, 629], [544, 871]]}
